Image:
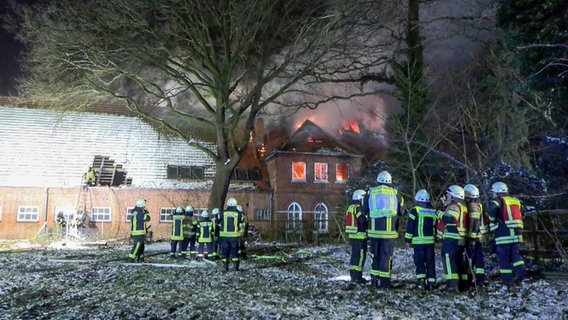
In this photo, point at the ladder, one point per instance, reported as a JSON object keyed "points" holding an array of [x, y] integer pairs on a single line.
{"points": [[84, 205]]}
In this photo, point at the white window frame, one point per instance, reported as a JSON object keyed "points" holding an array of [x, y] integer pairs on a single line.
{"points": [[28, 214], [262, 214], [101, 214], [128, 215], [325, 179], [321, 218], [305, 172], [166, 214], [294, 216], [336, 171]]}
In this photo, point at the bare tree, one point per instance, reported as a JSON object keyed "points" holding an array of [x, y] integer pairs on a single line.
{"points": [[201, 69]]}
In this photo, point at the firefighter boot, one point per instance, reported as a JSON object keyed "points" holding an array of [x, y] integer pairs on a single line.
{"points": [[226, 263], [236, 264], [352, 275], [385, 283], [374, 281], [359, 277]]}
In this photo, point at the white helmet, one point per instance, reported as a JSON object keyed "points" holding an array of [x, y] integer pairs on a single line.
{"points": [[456, 192], [471, 191], [189, 209], [179, 210], [140, 203], [499, 187], [384, 177], [240, 208], [422, 196], [204, 214], [215, 211], [231, 202], [358, 195]]}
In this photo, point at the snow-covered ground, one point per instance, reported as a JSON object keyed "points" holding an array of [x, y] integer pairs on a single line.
{"points": [[278, 281]]}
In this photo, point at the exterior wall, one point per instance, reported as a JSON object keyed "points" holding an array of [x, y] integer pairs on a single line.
{"points": [[52, 200], [308, 194]]}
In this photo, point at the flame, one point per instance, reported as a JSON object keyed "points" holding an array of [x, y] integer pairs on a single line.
{"points": [[352, 126]]}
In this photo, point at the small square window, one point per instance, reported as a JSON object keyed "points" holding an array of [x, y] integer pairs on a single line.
{"points": [[100, 214], [320, 172], [299, 171], [166, 214], [28, 214]]}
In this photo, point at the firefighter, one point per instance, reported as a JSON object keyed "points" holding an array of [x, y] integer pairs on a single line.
{"points": [[205, 234], [177, 233], [216, 251], [187, 232], [230, 222], [244, 233], [506, 221], [383, 206], [356, 228], [452, 241], [138, 229], [62, 223], [421, 234], [191, 234], [474, 247]]}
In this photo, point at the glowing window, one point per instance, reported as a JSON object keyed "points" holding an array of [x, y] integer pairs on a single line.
{"points": [[320, 172], [298, 171], [341, 172]]}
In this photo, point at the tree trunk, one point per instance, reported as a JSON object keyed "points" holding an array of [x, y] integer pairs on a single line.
{"points": [[221, 183]]}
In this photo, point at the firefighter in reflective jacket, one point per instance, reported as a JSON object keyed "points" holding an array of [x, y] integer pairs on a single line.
{"points": [[216, 250], [474, 247], [356, 228], [205, 234], [230, 222], [138, 227], [421, 233], [383, 206], [244, 233], [452, 241], [505, 221], [191, 233], [177, 236]]}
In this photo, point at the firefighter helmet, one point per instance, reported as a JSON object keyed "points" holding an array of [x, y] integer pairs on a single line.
{"points": [[384, 177], [471, 191], [179, 210], [140, 203], [231, 202], [456, 192], [358, 195], [499, 187], [240, 208], [215, 211], [422, 196], [204, 214], [189, 209]]}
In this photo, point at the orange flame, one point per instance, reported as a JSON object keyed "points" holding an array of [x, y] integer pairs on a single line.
{"points": [[352, 126]]}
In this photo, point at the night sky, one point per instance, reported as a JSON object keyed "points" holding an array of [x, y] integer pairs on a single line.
{"points": [[9, 52]]}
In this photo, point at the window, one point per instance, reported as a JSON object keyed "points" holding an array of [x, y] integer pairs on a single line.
{"points": [[262, 214], [100, 214], [320, 172], [294, 217], [28, 213], [245, 174], [129, 214], [298, 171], [185, 172], [320, 218], [341, 172], [166, 214]]}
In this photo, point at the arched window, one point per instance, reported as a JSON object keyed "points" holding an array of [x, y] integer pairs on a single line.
{"points": [[321, 218], [294, 216]]}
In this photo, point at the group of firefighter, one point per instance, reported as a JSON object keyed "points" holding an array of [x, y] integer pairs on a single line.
{"points": [[197, 236], [459, 221]]}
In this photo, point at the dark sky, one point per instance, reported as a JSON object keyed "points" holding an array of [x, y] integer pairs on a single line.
{"points": [[9, 52]]}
